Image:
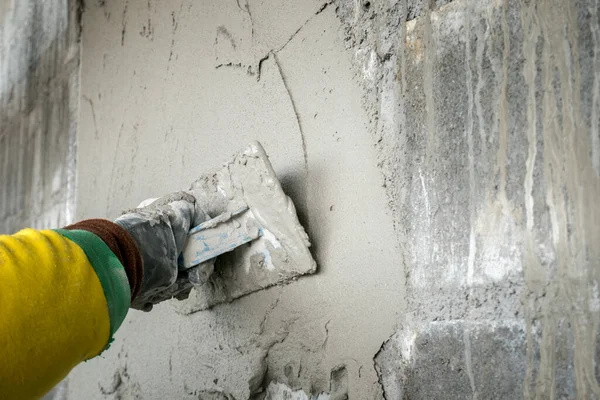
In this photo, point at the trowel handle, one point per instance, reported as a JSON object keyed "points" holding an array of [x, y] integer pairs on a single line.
{"points": [[220, 235]]}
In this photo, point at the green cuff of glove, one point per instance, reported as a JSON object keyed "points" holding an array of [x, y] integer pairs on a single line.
{"points": [[110, 272]]}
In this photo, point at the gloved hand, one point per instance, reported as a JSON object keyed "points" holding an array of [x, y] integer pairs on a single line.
{"points": [[160, 230]]}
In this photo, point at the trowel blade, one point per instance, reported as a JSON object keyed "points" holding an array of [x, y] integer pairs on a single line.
{"points": [[279, 255]]}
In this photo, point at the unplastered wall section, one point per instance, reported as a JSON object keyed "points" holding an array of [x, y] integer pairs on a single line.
{"points": [[487, 129], [170, 90], [39, 78]]}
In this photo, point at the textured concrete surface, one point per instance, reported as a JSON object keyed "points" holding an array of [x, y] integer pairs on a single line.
{"points": [[39, 62], [469, 173], [39, 97], [444, 157], [486, 121]]}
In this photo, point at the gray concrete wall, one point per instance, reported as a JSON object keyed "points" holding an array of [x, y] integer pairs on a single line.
{"points": [[444, 157], [39, 79], [487, 128], [39, 98]]}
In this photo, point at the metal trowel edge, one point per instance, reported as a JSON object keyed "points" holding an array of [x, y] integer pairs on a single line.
{"points": [[254, 232]]}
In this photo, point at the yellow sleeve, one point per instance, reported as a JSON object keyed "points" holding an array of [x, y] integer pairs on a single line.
{"points": [[54, 311]]}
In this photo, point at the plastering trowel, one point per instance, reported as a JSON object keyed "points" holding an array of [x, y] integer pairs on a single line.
{"points": [[253, 233]]}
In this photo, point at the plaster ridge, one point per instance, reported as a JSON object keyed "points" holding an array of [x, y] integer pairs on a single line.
{"points": [[91, 103], [298, 120]]}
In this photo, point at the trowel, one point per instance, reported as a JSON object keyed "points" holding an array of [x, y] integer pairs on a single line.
{"points": [[253, 239]]}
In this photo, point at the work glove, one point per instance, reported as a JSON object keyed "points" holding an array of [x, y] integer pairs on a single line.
{"points": [[159, 228]]}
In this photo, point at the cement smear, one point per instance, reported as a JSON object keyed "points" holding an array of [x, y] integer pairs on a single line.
{"points": [[278, 256]]}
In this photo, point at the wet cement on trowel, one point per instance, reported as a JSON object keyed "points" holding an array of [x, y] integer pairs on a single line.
{"points": [[281, 254]]}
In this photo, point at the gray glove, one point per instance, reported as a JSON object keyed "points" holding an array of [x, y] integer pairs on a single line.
{"points": [[160, 230]]}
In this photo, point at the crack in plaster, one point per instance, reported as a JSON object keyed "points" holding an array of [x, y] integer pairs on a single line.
{"points": [[175, 25], [292, 36], [326, 335], [123, 24], [91, 103], [378, 370], [273, 51], [269, 312], [298, 120]]}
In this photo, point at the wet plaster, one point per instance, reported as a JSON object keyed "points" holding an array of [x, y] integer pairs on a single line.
{"points": [[159, 107]]}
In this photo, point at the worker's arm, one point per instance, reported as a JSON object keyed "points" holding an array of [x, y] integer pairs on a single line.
{"points": [[64, 293]]}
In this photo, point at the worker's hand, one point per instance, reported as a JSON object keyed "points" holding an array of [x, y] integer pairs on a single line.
{"points": [[160, 229]]}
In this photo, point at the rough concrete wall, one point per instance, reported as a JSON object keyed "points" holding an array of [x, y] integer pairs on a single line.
{"points": [[443, 155], [487, 128], [39, 64]]}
